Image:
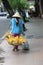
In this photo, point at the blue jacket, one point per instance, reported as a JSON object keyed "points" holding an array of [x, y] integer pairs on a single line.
{"points": [[17, 29]]}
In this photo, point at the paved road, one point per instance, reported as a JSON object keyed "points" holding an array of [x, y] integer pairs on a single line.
{"points": [[34, 36], [4, 25], [35, 28], [32, 57]]}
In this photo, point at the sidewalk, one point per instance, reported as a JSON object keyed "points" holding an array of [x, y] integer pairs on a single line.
{"points": [[32, 57]]}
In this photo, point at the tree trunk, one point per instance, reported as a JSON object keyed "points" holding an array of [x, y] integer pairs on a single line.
{"points": [[37, 8], [8, 7]]}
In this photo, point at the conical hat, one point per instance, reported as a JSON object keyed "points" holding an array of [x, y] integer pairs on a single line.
{"points": [[17, 15]]}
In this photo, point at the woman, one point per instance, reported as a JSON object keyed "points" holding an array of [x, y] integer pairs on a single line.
{"points": [[17, 28]]}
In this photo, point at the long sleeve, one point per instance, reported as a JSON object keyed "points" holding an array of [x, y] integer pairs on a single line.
{"points": [[12, 24]]}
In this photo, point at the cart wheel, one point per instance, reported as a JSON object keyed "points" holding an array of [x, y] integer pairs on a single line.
{"points": [[25, 46]]}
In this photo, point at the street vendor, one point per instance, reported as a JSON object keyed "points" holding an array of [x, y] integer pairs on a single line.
{"points": [[17, 27]]}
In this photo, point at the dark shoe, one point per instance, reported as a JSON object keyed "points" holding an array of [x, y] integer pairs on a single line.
{"points": [[26, 49], [14, 49], [17, 49]]}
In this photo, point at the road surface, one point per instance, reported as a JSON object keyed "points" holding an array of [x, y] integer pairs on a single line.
{"points": [[34, 35], [4, 25]]}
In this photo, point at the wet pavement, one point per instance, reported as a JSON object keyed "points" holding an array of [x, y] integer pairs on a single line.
{"points": [[4, 26], [32, 57], [34, 28], [1, 56]]}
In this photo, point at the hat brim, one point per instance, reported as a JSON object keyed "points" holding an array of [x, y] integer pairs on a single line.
{"points": [[17, 15]]}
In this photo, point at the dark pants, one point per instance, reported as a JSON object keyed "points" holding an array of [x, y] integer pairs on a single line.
{"points": [[15, 48]]}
